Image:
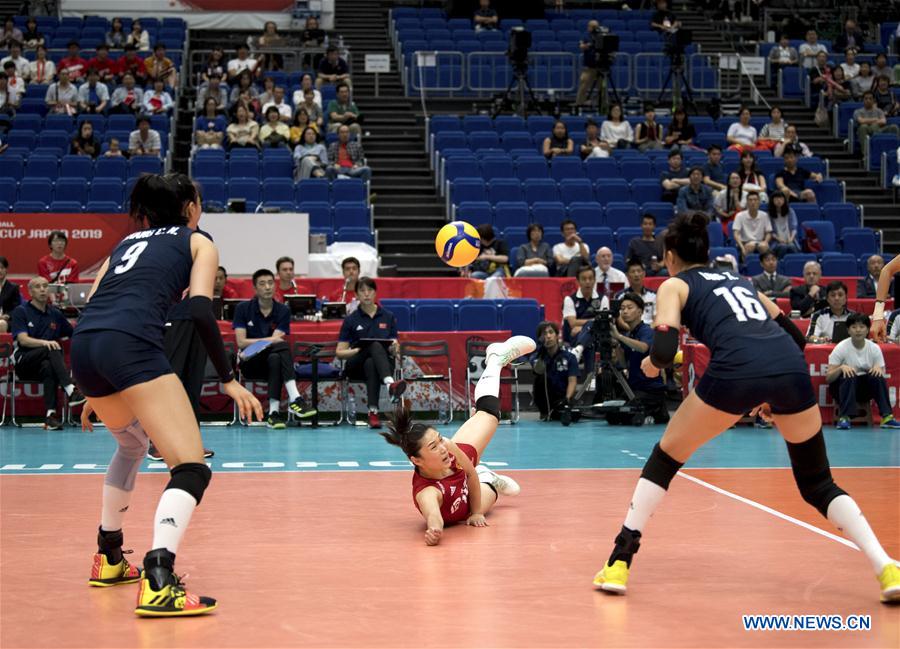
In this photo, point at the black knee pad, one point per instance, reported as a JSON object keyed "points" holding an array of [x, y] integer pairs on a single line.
{"points": [[489, 404], [809, 462], [660, 468], [191, 477]]}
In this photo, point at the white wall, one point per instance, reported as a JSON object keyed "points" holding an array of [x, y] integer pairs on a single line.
{"points": [[248, 242]]}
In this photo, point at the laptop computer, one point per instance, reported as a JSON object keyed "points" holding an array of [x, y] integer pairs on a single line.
{"points": [[78, 294], [334, 311], [218, 308], [839, 332], [301, 305], [228, 307]]}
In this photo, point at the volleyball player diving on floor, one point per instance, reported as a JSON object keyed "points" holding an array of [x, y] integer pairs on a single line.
{"points": [[119, 362], [756, 364], [448, 484]]}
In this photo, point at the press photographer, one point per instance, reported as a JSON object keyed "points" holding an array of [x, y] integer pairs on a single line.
{"points": [[597, 47], [555, 376]]}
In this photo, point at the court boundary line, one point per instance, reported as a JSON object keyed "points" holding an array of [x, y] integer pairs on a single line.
{"points": [[769, 510]]}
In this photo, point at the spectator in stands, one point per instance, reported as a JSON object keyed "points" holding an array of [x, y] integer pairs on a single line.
{"points": [[635, 274], [310, 156], [57, 267], [730, 201], [862, 82], [243, 62], [312, 37], [15, 83], [114, 150], [819, 73], [243, 132], [811, 48], [714, 174], [32, 37], [62, 96], [215, 65], [138, 37], [695, 196], [116, 38], [93, 96], [313, 110], [809, 296], [342, 111], [144, 140], [157, 101], [571, 253], [792, 179], [346, 158], [244, 85], [485, 16], [593, 146], [221, 287], [850, 38], [752, 179], [674, 178], [881, 68], [213, 90], [42, 69], [773, 132], [493, 260], [769, 282], [131, 63], [866, 286], [37, 327], [366, 356], [209, 127], [306, 83], [350, 273], [558, 142], [284, 110], [285, 284], [300, 124], [647, 247], [649, 133], [850, 66], [73, 63], [274, 133], [271, 38], [663, 19], [791, 138], [784, 225], [783, 55], [332, 69], [268, 91], [869, 120], [856, 373], [21, 63], [576, 310], [742, 135], [884, 98], [838, 87], [106, 68], [10, 297], [159, 66], [821, 325], [680, 131], [606, 273], [555, 374], [534, 258], [10, 33], [264, 319], [9, 99], [616, 131], [127, 99], [85, 143], [752, 227]]}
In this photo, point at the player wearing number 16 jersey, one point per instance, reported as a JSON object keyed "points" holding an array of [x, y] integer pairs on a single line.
{"points": [[119, 363], [756, 364]]}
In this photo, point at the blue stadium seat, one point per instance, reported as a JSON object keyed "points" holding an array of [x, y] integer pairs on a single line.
{"points": [[597, 237], [349, 189], [509, 123], [313, 190], [106, 167], [54, 138], [278, 190], [42, 166], [540, 125], [66, 207], [36, 190], [520, 318], [246, 188], [58, 122], [633, 168], [483, 140], [102, 207], [30, 207], [622, 214], [213, 189], [549, 214], [319, 214], [477, 315], [436, 315], [611, 190], [72, 189], [8, 190], [576, 190], [360, 235], [537, 189], [107, 189], [514, 237], [144, 164], [447, 139], [860, 242], [807, 212], [21, 138], [475, 212], [531, 168], [352, 214], [751, 264], [459, 167], [716, 236], [507, 215], [280, 168], [121, 123], [825, 232], [467, 189], [841, 215], [645, 190], [11, 167], [243, 168], [76, 166], [473, 123], [562, 167], [663, 211], [28, 121], [586, 213], [596, 168], [792, 263], [839, 265], [504, 189], [827, 191], [624, 236], [496, 167], [401, 311]]}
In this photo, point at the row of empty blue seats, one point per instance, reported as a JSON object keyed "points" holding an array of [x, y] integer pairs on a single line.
{"points": [[14, 168], [29, 121], [310, 190], [282, 193], [147, 22], [521, 316], [76, 190]]}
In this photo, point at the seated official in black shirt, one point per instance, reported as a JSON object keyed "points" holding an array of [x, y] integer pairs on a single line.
{"points": [[37, 328], [368, 345], [809, 296], [555, 375], [10, 297], [264, 319]]}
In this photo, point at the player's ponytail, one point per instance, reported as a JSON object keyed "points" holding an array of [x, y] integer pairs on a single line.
{"points": [[404, 433], [688, 237], [159, 200]]}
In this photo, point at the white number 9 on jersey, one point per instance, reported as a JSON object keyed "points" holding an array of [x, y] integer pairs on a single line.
{"points": [[129, 259]]}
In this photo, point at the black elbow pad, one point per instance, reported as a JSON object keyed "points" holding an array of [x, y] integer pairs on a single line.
{"points": [[664, 347], [788, 325]]}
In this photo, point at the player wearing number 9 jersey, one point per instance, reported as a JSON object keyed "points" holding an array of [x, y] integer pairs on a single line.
{"points": [[119, 363], [756, 364]]}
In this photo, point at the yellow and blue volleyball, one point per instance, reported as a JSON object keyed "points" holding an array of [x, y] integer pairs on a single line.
{"points": [[457, 244]]}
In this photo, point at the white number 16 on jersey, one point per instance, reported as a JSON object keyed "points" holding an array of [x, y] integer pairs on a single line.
{"points": [[743, 302]]}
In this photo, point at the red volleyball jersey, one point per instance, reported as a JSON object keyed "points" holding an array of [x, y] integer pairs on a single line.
{"points": [[453, 488]]}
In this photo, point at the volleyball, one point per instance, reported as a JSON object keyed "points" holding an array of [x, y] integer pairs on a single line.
{"points": [[457, 243]]}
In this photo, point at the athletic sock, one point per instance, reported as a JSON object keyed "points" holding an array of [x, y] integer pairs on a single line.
{"points": [[291, 387], [845, 514], [69, 389], [646, 498], [273, 406], [109, 542], [489, 383], [172, 517], [387, 380], [115, 504], [50, 412]]}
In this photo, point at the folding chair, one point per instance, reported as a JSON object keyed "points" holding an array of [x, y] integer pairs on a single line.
{"points": [[422, 354], [318, 364]]}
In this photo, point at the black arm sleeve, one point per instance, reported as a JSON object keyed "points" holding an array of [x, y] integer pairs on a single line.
{"points": [[788, 325], [664, 347], [205, 321]]}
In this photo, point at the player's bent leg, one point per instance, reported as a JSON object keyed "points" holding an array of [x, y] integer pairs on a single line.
{"points": [[693, 425]]}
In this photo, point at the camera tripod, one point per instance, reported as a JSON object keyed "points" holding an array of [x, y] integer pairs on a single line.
{"points": [[679, 82], [515, 94], [604, 78]]}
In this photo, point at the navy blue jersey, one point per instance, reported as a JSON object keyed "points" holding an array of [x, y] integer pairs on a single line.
{"points": [[723, 312], [148, 271]]}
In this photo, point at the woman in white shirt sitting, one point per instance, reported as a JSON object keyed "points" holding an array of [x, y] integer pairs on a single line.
{"points": [[138, 37], [616, 131], [42, 69], [741, 135]]}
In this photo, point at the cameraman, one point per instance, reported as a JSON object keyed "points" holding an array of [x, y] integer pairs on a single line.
{"points": [[590, 62], [635, 345], [555, 375]]}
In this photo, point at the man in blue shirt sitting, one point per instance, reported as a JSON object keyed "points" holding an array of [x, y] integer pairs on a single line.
{"points": [[368, 345], [555, 375], [36, 328], [263, 320]]}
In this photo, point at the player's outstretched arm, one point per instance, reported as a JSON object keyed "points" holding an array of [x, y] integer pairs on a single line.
{"points": [[429, 501], [879, 330]]}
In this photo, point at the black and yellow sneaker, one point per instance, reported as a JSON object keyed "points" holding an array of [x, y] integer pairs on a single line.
{"points": [[276, 421], [162, 593], [300, 409], [106, 571]]}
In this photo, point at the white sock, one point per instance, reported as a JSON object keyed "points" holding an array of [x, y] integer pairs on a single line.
{"points": [[115, 504], [273, 406], [50, 412], [489, 383], [578, 350], [387, 380], [845, 515], [172, 517], [646, 498], [69, 389], [291, 387]]}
